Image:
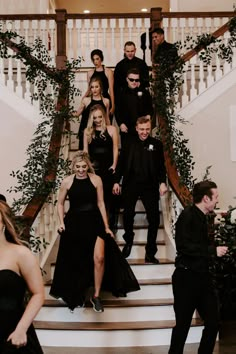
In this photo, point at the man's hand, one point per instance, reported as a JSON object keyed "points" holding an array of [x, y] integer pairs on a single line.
{"points": [[116, 189], [221, 251], [123, 128]]}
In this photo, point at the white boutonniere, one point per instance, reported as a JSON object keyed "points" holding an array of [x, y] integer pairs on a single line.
{"points": [[150, 147], [139, 93]]}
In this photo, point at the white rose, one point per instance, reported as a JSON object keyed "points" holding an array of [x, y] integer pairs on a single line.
{"points": [[233, 216], [139, 93]]}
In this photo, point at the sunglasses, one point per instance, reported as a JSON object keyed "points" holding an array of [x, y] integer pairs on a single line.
{"points": [[133, 80]]}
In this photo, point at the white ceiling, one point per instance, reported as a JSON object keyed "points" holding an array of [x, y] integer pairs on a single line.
{"points": [[113, 6]]}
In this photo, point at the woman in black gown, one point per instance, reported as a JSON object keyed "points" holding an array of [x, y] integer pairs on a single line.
{"points": [[101, 142], [105, 75], [19, 271], [86, 241], [94, 97]]}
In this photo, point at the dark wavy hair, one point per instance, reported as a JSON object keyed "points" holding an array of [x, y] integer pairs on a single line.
{"points": [[97, 52]]}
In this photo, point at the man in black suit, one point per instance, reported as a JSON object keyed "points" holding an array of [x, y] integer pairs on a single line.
{"points": [[129, 61], [141, 163], [134, 102], [163, 51]]}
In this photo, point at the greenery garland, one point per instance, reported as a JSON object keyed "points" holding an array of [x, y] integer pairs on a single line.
{"points": [[50, 83], [167, 82]]}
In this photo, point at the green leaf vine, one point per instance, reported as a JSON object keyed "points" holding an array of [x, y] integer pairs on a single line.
{"points": [[166, 85], [50, 85]]}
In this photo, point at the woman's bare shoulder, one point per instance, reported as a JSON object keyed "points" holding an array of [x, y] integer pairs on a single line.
{"points": [[95, 179]]}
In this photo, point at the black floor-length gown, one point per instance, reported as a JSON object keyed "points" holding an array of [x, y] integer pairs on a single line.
{"points": [[12, 294], [74, 268]]}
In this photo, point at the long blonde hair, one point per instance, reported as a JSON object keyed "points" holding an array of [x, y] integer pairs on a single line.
{"points": [[82, 156], [8, 221], [92, 80], [91, 128]]}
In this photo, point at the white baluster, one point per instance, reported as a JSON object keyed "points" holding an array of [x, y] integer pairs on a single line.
{"points": [[10, 81], [78, 26], [191, 26], [51, 43], [43, 32], [166, 28], [182, 24], [96, 27], [174, 27], [130, 25], [210, 76], [35, 26], [202, 84], [70, 25], [218, 71], [216, 22], [27, 92], [148, 51], [234, 58], [114, 59], [185, 96], [19, 88], [2, 75], [26, 30], [193, 90], [208, 24], [104, 39], [199, 25], [87, 42], [121, 27], [226, 66]]}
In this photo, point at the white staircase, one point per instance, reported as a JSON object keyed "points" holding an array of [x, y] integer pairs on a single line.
{"points": [[145, 317]]}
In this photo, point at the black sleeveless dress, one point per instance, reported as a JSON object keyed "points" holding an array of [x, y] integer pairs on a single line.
{"points": [[101, 155], [101, 75], [84, 120], [74, 266], [12, 293]]}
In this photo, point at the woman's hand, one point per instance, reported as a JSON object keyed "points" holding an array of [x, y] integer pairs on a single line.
{"points": [[18, 338], [112, 110], [108, 231], [112, 169], [61, 228], [123, 128]]}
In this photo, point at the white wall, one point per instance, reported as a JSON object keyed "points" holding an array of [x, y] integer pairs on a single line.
{"points": [[210, 144], [24, 6], [207, 5], [18, 123]]}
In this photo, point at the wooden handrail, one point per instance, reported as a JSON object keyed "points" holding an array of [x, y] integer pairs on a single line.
{"points": [[181, 191]]}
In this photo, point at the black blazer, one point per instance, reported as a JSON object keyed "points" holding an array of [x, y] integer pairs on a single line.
{"points": [[155, 161]]}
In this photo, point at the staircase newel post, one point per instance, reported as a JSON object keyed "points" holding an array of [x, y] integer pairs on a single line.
{"points": [[61, 38], [156, 17]]}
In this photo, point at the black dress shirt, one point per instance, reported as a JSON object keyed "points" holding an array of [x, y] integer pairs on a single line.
{"points": [[192, 241]]}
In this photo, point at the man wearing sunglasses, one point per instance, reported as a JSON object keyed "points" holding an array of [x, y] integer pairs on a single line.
{"points": [[134, 102]]}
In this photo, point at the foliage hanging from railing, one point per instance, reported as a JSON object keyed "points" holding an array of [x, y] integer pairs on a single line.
{"points": [[167, 82], [50, 84]]}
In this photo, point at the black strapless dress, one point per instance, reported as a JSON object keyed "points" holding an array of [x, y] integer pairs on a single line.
{"points": [[75, 266], [12, 293]]}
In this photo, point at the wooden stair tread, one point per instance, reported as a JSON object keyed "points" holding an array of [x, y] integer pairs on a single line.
{"points": [[138, 227], [116, 303], [98, 326], [140, 243], [164, 281], [140, 261]]}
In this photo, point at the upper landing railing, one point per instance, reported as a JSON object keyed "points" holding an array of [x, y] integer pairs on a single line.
{"points": [[74, 35]]}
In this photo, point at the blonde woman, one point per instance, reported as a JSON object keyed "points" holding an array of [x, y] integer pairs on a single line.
{"points": [[95, 97], [84, 230], [19, 271], [101, 142]]}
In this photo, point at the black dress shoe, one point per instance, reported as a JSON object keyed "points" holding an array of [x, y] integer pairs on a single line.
{"points": [[126, 250], [151, 259]]}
